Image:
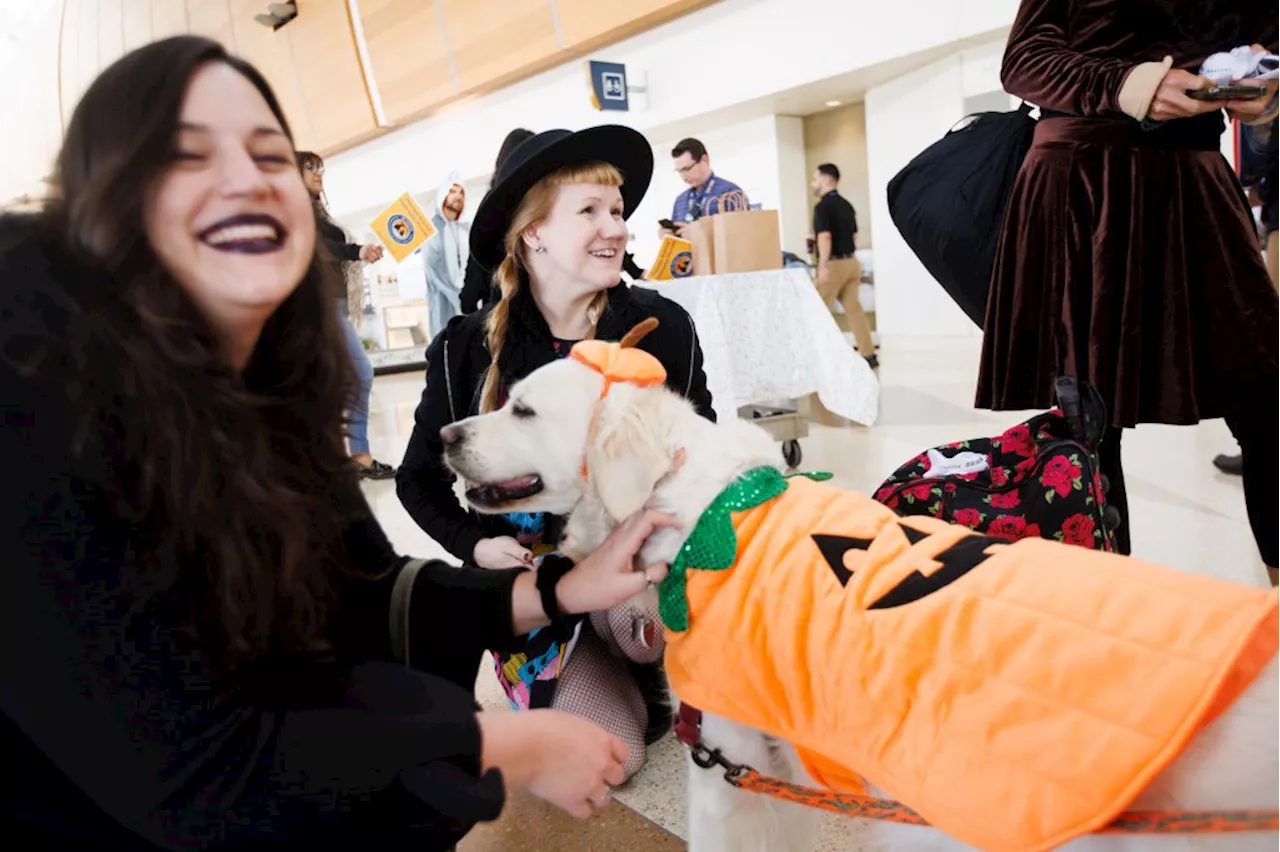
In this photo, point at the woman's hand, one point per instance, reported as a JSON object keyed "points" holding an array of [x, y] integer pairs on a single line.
{"points": [[556, 756], [371, 253], [1171, 99], [501, 552], [1258, 109], [608, 577]]}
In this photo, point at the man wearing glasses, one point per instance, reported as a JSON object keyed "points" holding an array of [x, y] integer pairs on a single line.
{"points": [[706, 191]]}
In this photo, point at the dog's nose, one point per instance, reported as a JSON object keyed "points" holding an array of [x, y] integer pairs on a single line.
{"points": [[451, 435]]}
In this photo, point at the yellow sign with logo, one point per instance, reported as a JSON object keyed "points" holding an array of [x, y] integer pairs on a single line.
{"points": [[403, 227], [674, 260]]}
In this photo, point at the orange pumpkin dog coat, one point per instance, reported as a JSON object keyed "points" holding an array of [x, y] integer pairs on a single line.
{"points": [[1015, 695]]}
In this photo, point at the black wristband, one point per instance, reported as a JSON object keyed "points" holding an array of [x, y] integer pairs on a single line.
{"points": [[549, 574]]}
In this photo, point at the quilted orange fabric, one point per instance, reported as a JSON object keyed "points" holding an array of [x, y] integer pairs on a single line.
{"points": [[1015, 695]]}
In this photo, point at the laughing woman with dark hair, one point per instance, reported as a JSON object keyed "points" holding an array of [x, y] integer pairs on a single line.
{"points": [[205, 636]]}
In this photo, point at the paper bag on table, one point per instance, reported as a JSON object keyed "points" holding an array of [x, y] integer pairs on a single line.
{"points": [[698, 235], [674, 260], [745, 241]]}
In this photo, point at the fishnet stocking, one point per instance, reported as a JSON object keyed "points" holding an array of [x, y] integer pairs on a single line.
{"points": [[594, 686]]}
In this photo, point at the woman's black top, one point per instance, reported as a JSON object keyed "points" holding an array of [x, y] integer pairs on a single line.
{"points": [[114, 733]]}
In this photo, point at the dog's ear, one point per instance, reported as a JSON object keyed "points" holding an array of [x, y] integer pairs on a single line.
{"points": [[628, 454]]}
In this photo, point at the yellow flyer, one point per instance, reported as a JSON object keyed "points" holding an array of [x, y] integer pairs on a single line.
{"points": [[403, 227], [674, 260]]}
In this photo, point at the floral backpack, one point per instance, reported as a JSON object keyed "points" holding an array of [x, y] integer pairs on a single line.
{"points": [[1038, 479]]}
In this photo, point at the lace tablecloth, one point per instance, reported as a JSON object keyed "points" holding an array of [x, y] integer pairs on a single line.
{"points": [[767, 337]]}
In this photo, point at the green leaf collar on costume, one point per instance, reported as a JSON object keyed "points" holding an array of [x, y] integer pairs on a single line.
{"points": [[713, 544]]}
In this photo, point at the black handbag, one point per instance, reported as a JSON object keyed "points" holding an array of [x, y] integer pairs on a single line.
{"points": [[949, 202]]}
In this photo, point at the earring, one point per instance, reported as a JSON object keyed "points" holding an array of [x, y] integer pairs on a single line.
{"points": [[539, 249]]}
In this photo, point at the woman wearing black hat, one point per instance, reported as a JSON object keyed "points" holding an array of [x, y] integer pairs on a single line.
{"points": [[553, 229], [478, 288]]}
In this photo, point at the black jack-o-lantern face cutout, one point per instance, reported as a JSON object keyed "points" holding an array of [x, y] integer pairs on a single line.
{"points": [[953, 563]]}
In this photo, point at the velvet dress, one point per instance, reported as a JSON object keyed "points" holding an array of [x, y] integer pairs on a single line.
{"points": [[1129, 258]]}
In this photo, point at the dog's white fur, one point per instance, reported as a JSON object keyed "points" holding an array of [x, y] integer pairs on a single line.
{"points": [[632, 450]]}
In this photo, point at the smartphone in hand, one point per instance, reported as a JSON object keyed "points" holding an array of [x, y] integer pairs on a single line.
{"points": [[1227, 93]]}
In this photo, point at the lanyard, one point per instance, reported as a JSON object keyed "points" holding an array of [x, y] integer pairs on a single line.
{"points": [[696, 198]]}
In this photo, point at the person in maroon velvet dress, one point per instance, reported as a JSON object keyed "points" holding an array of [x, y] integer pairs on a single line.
{"points": [[1129, 257]]}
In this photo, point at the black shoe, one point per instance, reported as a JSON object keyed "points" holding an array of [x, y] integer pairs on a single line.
{"points": [[376, 470], [873, 361], [1233, 465]]}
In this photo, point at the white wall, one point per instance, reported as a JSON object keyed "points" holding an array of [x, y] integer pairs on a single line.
{"points": [[904, 117], [29, 104], [746, 153], [729, 53], [795, 205]]}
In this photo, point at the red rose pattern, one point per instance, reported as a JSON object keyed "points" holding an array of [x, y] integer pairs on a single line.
{"points": [[1013, 514], [919, 491], [1061, 475], [1077, 529], [1007, 500], [1018, 441]]}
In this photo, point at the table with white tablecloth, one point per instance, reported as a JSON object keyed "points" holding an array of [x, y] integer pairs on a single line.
{"points": [[768, 337]]}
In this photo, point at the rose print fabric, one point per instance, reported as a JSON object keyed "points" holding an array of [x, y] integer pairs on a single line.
{"points": [[1036, 480]]}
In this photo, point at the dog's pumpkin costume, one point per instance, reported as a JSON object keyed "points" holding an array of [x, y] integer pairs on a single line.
{"points": [[1015, 695]]}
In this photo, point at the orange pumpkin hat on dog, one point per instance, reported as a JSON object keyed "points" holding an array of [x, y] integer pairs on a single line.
{"points": [[621, 361]]}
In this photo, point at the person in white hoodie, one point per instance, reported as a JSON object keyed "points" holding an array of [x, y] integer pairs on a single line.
{"points": [[445, 258]]}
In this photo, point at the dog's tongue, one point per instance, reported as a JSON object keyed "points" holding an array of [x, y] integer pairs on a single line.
{"points": [[516, 484]]}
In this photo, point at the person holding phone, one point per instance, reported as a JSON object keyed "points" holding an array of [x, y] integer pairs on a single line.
{"points": [[1129, 257]]}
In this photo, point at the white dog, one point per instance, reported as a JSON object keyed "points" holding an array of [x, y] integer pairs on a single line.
{"points": [[645, 446]]}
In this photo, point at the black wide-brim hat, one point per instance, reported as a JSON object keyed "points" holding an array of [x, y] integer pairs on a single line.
{"points": [[621, 147]]}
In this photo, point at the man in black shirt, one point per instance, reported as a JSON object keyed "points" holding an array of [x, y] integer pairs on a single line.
{"points": [[839, 273]]}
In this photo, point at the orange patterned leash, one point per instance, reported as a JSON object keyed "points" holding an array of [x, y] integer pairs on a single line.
{"points": [[887, 810]]}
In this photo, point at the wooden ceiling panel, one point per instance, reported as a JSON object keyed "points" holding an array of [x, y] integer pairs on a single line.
{"points": [[212, 19], [408, 55], [494, 39], [271, 54], [422, 53], [586, 24], [328, 69]]}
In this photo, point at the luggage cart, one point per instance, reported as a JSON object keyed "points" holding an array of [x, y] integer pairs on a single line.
{"points": [[784, 424], [787, 425]]}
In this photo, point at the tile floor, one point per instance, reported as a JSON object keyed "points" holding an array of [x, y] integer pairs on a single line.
{"points": [[1184, 513]]}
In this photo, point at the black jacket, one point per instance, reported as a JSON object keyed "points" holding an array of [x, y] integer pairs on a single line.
{"points": [[456, 364], [477, 287], [335, 239], [113, 734]]}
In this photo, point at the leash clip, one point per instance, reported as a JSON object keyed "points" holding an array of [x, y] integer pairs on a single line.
{"points": [[708, 758]]}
